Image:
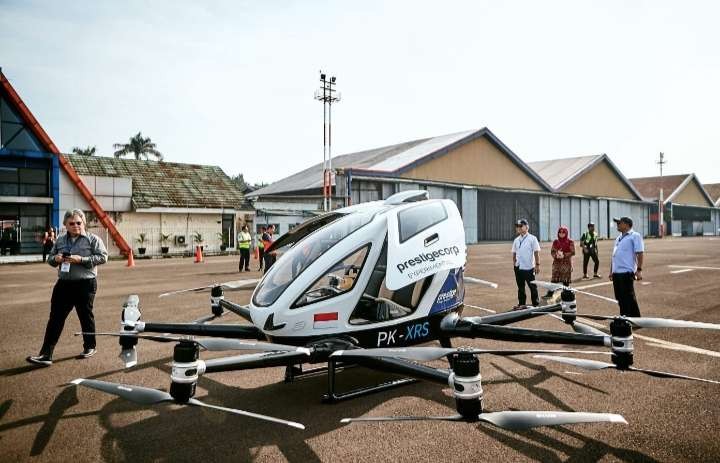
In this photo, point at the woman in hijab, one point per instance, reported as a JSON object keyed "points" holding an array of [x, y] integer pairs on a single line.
{"points": [[562, 251]]}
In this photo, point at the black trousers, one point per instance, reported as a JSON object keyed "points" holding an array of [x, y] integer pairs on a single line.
{"points": [[244, 259], [523, 277], [586, 259], [261, 256], [269, 261], [623, 284], [67, 294]]}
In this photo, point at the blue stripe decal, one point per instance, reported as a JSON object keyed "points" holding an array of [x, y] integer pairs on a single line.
{"points": [[452, 292]]}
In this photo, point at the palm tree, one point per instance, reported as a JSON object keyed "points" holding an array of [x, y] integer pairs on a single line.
{"points": [[89, 151], [140, 147]]}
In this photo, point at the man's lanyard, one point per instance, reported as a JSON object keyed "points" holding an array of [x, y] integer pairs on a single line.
{"points": [[522, 241], [621, 237]]}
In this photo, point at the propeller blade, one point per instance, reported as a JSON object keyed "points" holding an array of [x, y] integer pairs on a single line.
{"points": [[138, 394], [371, 419], [258, 416], [582, 363], [220, 344], [478, 281], [426, 354], [649, 322], [515, 420], [240, 284], [187, 290], [557, 286], [131, 334], [664, 374], [207, 318], [231, 285], [128, 357], [646, 322], [577, 326]]}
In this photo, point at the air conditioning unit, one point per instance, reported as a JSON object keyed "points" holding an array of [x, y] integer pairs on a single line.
{"points": [[179, 240]]}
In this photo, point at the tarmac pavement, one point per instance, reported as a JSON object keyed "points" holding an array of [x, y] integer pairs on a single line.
{"points": [[43, 419]]}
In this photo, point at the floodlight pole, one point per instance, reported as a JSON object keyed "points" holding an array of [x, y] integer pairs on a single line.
{"points": [[661, 205], [326, 94]]}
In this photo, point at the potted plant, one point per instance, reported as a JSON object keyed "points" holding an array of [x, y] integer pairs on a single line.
{"points": [[141, 242], [223, 241], [164, 240], [198, 240]]}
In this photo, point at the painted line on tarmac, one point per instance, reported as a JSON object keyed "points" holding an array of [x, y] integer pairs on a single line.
{"points": [[605, 283], [480, 308], [694, 267], [661, 342], [573, 373], [683, 270]]}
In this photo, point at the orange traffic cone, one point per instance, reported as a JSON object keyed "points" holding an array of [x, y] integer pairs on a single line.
{"points": [[198, 254], [130, 260]]}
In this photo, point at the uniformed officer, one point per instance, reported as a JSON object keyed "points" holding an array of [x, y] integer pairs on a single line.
{"points": [[244, 240], [626, 266], [588, 241], [77, 253], [526, 262]]}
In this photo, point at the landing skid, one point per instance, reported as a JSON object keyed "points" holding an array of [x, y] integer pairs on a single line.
{"points": [[333, 396]]}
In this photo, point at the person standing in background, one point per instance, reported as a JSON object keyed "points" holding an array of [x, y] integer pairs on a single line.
{"points": [[588, 241], [270, 256], [244, 240], [626, 266], [261, 246], [526, 262], [562, 252], [48, 242]]}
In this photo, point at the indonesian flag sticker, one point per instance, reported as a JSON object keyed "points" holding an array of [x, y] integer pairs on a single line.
{"points": [[325, 320]]}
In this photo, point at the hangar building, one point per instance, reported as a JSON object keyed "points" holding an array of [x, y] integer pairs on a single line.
{"points": [[688, 209], [491, 185]]}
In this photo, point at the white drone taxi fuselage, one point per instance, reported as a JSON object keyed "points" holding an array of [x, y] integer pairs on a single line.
{"points": [[383, 273]]}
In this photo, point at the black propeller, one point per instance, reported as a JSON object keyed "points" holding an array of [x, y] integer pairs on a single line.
{"points": [[596, 365], [426, 354], [513, 420], [148, 396]]}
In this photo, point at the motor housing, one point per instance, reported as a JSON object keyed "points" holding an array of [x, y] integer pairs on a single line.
{"points": [[465, 380]]}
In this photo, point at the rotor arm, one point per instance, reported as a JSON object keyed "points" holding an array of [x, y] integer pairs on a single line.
{"points": [[240, 310], [193, 329], [505, 318], [259, 360], [470, 328]]}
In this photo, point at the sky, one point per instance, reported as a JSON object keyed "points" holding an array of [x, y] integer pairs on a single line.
{"points": [[232, 83]]}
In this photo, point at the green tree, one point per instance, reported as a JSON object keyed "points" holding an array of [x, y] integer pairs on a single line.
{"points": [[89, 151], [239, 180], [140, 147]]}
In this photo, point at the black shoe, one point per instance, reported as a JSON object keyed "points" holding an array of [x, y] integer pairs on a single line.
{"points": [[87, 353], [44, 360], [247, 269]]}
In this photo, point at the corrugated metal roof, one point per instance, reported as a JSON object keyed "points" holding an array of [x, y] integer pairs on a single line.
{"points": [[391, 159], [561, 172], [167, 184], [649, 187], [713, 189]]}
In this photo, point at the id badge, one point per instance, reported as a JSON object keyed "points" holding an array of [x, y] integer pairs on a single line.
{"points": [[65, 267]]}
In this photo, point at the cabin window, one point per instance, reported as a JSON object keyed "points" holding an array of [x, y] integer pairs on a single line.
{"points": [[416, 219], [338, 280]]}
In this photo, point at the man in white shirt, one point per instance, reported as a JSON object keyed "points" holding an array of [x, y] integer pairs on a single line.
{"points": [[526, 262], [626, 266]]}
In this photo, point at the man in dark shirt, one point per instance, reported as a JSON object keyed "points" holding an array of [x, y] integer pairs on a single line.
{"points": [[77, 254]]}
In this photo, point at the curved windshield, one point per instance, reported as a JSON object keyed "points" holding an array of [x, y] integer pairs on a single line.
{"points": [[304, 253]]}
